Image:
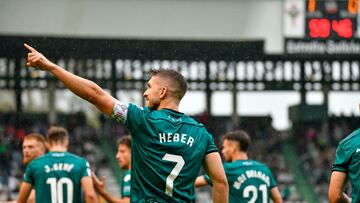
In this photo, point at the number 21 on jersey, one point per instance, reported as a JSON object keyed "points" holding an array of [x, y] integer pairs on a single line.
{"points": [[253, 192]]}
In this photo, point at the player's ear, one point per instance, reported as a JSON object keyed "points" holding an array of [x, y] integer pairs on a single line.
{"points": [[66, 143], [163, 92], [47, 145]]}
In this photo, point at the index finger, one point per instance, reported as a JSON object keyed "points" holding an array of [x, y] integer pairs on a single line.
{"points": [[94, 176], [30, 48]]}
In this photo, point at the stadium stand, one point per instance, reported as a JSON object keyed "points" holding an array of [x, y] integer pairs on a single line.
{"points": [[317, 143]]}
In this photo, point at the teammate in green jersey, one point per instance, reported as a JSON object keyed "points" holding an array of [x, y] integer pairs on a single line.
{"points": [[33, 146], [346, 167], [168, 147], [58, 176], [123, 156], [249, 180]]}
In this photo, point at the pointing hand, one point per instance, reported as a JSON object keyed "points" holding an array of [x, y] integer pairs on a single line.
{"points": [[37, 60]]}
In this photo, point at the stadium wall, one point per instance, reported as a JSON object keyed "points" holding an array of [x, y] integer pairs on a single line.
{"points": [[173, 19]]}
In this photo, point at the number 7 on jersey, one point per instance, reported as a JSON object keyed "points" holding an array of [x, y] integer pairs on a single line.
{"points": [[174, 173]]}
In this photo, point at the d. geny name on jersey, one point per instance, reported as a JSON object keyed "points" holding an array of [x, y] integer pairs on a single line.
{"points": [[176, 137], [59, 167]]}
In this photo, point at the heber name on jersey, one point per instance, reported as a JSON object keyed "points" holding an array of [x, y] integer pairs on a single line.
{"points": [[251, 174], [176, 137], [59, 167]]}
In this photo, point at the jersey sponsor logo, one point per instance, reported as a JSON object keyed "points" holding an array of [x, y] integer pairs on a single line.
{"points": [[127, 178], [176, 137], [174, 119], [127, 189], [247, 163], [59, 167], [60, 154]]}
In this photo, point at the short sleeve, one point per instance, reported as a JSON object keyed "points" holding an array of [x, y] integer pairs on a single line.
{"points": [[211, 144], [341, 160], [134, 118], [273, 182], [86, 172], [208, 179], [126, 187], [28, 177]]}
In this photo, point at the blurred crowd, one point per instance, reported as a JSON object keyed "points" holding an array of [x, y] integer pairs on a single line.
{"points": [[317, 143]]}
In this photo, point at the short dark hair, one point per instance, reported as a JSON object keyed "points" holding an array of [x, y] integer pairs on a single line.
{"points": [[126, 140], [57, 134], [175, 78], [241, 137]]}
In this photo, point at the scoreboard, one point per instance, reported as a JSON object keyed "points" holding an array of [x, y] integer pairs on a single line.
{"points": [[321, 27], [331, 19]]}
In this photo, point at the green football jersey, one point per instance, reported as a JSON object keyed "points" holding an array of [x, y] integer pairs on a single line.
{"points": [[249, 181], [56, 177], [126, 184], [167, 151], [347, 160]]}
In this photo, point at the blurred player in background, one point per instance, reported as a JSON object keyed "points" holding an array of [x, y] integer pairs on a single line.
{"points": [[346, 167], [123, 156], [249, 180], [166, 144], [33, 146], [58, 176]]}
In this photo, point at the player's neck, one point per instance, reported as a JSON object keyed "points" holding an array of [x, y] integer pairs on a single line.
{"points": [[169, 104], [57, 148], [240, 156]]}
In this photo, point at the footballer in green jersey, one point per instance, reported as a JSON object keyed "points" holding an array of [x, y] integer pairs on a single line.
{"points": [[126, 184], [249, 180], [123, 157], [168, 147], [167, 152], [346, 167], [58, 176]]}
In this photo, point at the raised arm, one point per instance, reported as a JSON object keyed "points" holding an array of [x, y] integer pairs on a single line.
{"points": [[216, 172], [82, 87], [336, 188]]}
